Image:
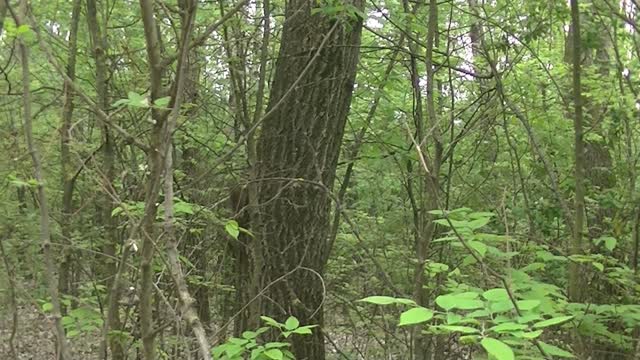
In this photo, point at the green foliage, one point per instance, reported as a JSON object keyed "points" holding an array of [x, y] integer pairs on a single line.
{"points": [[250, 346]]}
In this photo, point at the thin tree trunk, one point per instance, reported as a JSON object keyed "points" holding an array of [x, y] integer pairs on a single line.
{"points": [[575, 281], [430, 184], [188, 8], [109, 268], [68, 178], [45, 232], [154, 183]]}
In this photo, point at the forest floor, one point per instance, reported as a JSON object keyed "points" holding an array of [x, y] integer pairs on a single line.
{"points": [[35, 339]]}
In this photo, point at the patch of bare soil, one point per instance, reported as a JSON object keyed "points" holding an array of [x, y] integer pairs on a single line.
{"points": [[35, 338]]}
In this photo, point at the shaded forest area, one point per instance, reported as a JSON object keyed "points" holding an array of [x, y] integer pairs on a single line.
{"points": [[319, 179]]}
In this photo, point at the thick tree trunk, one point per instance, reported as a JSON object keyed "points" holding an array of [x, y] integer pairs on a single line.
{"points": [[297, 157]]}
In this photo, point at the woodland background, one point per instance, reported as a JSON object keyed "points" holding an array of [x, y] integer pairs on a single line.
{"points": [[319, 179]]}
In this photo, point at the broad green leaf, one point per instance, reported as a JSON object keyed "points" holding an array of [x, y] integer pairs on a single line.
{"points": [[137, 100], [386, 300], [67, 320], [276, 345], [291, 323], [478, 223], [501, 306], [527, 335], [526, 305], [162, 102], [47, 307], [270, 321], [528, 318], [497, 294], [416, 315], [508, 327], [555, 351], [610, 243], [479, 247], [304, 330], [238, 341], [457, 328], [232, 228], [552, 321], [598, 265], [435, 268], [274, 354], [453, 318], [249, 335], [497, 349]]}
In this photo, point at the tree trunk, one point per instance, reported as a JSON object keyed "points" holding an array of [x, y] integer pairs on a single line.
{"points": [[68, 178], [297, 158], [63, 350], [576, 283]]}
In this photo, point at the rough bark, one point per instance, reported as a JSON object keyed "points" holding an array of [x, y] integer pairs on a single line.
{"points": [[301, 138]]}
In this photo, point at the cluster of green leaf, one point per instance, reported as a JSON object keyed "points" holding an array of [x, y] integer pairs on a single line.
{"points": [[523, 319], [249, 345]]}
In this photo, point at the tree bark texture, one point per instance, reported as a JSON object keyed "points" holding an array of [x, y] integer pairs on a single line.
{"points": [[300, 139]]}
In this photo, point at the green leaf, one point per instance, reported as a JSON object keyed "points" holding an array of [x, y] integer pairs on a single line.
{"points": [[479, 247], [453, 318], [610, 243], [457, 328], [274, 354], [598, 265], [555, 351], [291, 323], [238, 341], [276, 345], [435, 267], [232, 350], [304, 330], [121, 102], [162, 102], [497, 349], [137, 100], [526, 305], [73, 333], [22, 29], [508, 327], [497, 294], [552, 321], [181, 207], [232, 228], [270, 321], [416, 315], [478, 223], [387, 300], [249, 335], [527, 335], [501, 306], [67, 320], [47, 307]]}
